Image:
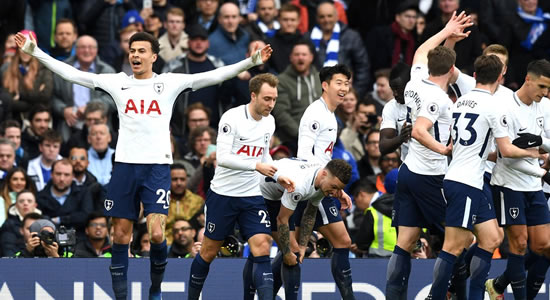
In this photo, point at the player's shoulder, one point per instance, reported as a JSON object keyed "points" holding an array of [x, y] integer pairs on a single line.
{"points": [[419, 72]]}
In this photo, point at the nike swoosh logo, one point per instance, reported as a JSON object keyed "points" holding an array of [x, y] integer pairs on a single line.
{"points": [[399, 120], [522, 129], [530, 143], [330, 129], [166, 206], [243, 139], [265, 274], [124, 88], [197, 277]]}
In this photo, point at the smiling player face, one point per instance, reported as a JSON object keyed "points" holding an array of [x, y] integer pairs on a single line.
{"points": [[337, 88], [141, 58]]}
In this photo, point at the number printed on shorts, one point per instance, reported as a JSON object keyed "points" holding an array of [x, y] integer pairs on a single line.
{"points": [[164, 198], [263, 214]]}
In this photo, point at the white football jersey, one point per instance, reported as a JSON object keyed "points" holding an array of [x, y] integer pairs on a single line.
{"points": [[478, 119], [303, 174], [242, 142], [144, 110], [424, 98], [394, 115], [317, 133], [501, 93], [521, 119]]}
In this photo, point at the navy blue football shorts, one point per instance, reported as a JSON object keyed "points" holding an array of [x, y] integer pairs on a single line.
{"points": [[222, 212], [273, 208], [520, 208], [421, 201], [466, 205], [327, 213]]}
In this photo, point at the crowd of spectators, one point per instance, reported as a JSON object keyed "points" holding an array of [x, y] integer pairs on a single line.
{"points": [[58, 139]]}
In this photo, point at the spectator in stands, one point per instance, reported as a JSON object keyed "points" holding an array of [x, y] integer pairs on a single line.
{"points": [[28, 241], [10, 48], [199, 140], [336, 43], [493, 14], [95, 113], [65, 38], [160, 8], [173, 43], [16, 181], [382, 91], [376, 236], [420, 25], [11, 237], [196, 115], [368, 164], [466, 50], [389, 44], [132, 17], [26, 83], [122, 63], [96, 243], [11, 130], [198, 60], [365, 119], [82, 177], [229, 41], [386, 163], [142, 244], [183, 244], [299, 86], [206, 16], [266, 25], [63, 201], [40, 119], [7, 157], [40, 168], [100, 154], [346, 110], [41, 247], [526, 36], [153, 25], [44, 17], [285, 38], [184, 204], [70, 100]]}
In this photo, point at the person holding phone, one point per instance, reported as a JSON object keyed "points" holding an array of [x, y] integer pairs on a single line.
{"points": [[364, 119]]}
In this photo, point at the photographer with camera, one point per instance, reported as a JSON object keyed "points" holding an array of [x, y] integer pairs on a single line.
{"points": [[41, 239], [365, 119]]}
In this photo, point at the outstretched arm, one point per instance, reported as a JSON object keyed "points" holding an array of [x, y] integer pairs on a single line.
{"points": [[218, 75], [455, 26], [65, 71]]}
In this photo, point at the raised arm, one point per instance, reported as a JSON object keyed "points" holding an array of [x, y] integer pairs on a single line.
{"points": [[455, 26], [218, 75], [65, 71]]}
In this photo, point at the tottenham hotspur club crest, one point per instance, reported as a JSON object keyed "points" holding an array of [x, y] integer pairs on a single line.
{"points": [[333, 210], [159, 87], [514, 212], [211, 227], [108, 204]]}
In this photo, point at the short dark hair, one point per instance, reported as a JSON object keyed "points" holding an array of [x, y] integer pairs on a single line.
{"points": [[198, 131], [51, 136], [38, 108], [364, 185], [540, 67], [304, 42], [63, 161], [144, 36], [9, 124], [94, 215], [96, 105], [256, 83], [371, 132], [289, 7], [440, 60], [327, 73], [177, 166], [341, 169], [487, 69], [197, 106], [366, 101], [31, 216], [382, 73], [69, 21]]}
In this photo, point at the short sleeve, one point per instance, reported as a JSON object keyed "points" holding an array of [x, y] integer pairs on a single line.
{"points": [[290, 200], [498, 121], [419, 72], [465, 83], [389, 117]]}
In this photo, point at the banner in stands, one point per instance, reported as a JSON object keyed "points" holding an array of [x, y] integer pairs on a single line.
{"points": [[89, 279]]}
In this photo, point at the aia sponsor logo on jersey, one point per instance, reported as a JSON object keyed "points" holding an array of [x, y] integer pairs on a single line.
{"points": [[251, 151], [140, 108], [330, 148]]}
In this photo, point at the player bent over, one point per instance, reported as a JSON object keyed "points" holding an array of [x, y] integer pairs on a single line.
{"points": [[141, 173], [312, 183], [243, 154]]}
